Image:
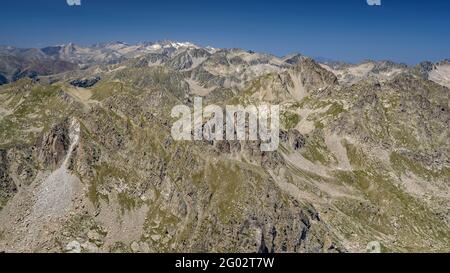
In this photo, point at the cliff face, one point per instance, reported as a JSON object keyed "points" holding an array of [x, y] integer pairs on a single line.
{"points": [[7, 186], [94, 168]]}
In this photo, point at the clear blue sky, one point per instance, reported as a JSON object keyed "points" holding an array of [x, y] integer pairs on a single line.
{"points": [[351, 30]]}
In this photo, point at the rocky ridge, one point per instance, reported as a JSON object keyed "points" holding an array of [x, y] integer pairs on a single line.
{"points": [[364, 155]]}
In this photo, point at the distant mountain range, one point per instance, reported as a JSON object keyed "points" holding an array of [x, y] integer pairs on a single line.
{"points": [[16, 63]]}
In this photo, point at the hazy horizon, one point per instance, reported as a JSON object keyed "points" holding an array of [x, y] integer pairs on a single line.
{"points": [[351, 31]]}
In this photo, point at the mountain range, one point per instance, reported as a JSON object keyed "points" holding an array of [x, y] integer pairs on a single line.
{"points": [[17, 63], [88, 164]]}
